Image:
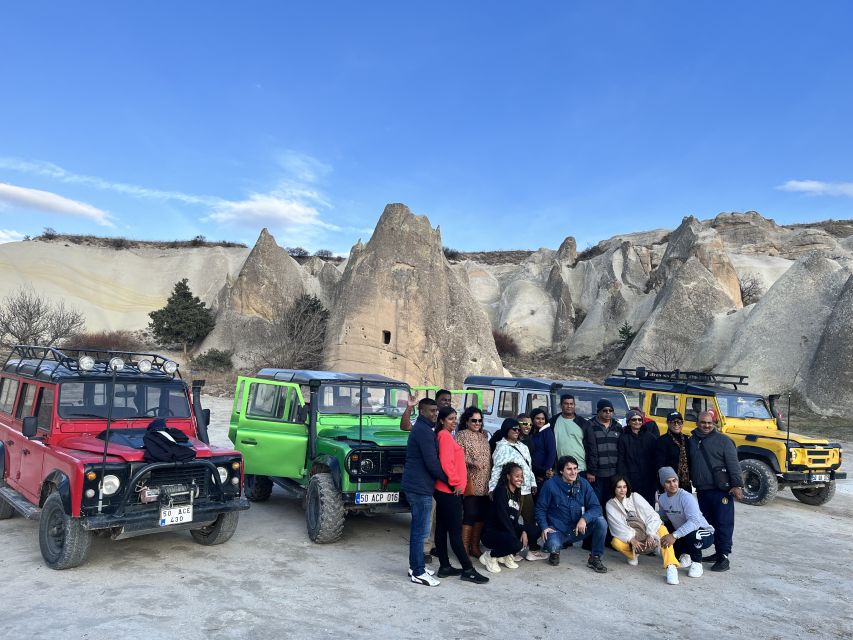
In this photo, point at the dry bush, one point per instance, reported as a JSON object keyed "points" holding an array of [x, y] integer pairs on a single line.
{"points": [[505, 343], [104, 340], [294, 339], [667, 356], [751, 287]]}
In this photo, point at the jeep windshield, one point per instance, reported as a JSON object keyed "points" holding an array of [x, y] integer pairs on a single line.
{"points": [[139, 399], [735, 405], [350, 399]]}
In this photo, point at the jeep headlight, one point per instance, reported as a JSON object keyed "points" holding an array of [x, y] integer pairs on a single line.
{"points": [[795, 455], [367, 466], [110, 484], [223, 474]]}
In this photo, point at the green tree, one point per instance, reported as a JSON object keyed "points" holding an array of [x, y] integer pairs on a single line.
{"points": [[184, 319], [626, 335]]}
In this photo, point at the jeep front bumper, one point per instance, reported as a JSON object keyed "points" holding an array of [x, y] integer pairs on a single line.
{"points": [[807, 478]]}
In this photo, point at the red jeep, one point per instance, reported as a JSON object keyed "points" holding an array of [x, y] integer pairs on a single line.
{"points": [[72, 451]]}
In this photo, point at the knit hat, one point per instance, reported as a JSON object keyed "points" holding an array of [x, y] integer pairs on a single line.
{"points": [[604, 403], [665, 473], [633, 413]]}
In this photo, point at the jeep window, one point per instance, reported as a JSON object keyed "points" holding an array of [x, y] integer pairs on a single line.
{"points": [[586, 402], [25, 404], [662, 404], [7, 395], [536, 400], [130, 400], [346, 399], [488, 399], [44, 408], [508, 406], [635, 398], [272, 402], [693, 406], [734, 405]]}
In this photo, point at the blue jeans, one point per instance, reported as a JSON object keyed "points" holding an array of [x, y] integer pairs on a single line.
{"points": [[597, 529], [421, 509]]}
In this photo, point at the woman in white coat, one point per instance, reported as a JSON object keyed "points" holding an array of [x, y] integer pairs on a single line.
{"points": [[637, 528], [511, 449]]}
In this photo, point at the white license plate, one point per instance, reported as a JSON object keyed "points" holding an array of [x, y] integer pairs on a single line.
{"points": [[176, 515], [820, 477], [377, 497]]}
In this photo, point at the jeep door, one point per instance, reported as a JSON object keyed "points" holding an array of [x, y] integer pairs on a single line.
{"points": [[270, 431]]}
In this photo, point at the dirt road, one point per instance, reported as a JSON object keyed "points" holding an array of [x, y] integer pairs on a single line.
{"points": [[790, 578]]}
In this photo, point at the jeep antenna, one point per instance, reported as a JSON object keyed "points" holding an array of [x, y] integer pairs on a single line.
{"points": [[788, 435], [360, 420], [115, 364]]}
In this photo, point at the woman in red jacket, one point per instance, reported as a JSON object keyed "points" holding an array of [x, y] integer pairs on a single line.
{"points": [[448, 501]]}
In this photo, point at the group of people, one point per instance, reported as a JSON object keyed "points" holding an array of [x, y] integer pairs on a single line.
{"points": [[540, 485]]}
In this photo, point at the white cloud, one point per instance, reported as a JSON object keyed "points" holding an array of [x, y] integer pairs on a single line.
{"points": [[46, 201], [818, 188], [7, 235], [302, 167]]}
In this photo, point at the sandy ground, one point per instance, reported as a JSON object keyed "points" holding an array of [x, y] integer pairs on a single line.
{"points": [[790, 578]]}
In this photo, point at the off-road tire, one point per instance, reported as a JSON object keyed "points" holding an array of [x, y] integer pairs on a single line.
{"points": [[325, 514], [257, 488], [760, 484], [63, 540], [815, 496], [220, 531]]}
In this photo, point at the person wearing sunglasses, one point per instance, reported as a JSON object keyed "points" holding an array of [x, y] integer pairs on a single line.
{"points": [[602, 450], [510, 449], [671, 450], [636, 460], [478, 460]]}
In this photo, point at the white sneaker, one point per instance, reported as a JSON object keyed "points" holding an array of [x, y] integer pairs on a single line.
{"points": [[489, 562], [672, 574], [684, 560], [634, 561], [425, 579], [429, 571], [508, 562], [536, 555], [695, 570]]}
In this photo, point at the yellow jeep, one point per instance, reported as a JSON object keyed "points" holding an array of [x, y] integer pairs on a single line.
{"points": [[771, 457]]}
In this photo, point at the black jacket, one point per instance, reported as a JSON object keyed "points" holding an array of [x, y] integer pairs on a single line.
{"points": [[503, 516], [637, 461], [667, 454], [721, 451]]}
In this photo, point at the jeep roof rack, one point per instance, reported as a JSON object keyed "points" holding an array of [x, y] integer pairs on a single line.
{"points": [[51, 363], [685, 377]]}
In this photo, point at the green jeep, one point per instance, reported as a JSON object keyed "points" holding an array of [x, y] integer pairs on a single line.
{"points": [[330, 439]]}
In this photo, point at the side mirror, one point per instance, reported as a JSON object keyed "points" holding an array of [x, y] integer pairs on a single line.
{"points": [[30, 427]]}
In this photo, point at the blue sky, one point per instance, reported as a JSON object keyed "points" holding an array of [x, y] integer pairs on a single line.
{"points": [[509, 124]]}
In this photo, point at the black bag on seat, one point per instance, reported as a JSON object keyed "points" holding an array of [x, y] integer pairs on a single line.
{"points": [[165, 444]]}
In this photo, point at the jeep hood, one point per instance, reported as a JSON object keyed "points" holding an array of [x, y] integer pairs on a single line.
{"points": [[127, 452]]}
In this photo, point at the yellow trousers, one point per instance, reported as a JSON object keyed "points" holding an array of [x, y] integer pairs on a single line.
{"points": [[667, 553]]}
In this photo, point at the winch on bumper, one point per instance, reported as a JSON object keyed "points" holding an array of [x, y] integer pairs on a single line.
{"points": [[164, 496]]}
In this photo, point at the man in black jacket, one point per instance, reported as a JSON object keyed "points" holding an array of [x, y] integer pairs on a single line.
{"points": [[421, 471], [716, 474]]}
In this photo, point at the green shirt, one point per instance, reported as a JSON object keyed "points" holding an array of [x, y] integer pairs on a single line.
{"points": [[569, 438]]}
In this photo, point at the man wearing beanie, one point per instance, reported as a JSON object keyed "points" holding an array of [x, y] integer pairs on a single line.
{"points": [[680, 513], [602, 450]]}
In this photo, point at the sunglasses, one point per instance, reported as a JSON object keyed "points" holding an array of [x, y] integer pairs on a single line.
{"points": [[514, 429], [635, 420], [677, 421], [475, 420], [524, 424], [607, 410]]}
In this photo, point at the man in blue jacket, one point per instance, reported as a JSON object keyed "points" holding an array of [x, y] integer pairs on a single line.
{"points": [[419, 475], [567, 511]]}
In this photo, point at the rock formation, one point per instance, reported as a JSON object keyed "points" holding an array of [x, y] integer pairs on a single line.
{"points": [[400, 310]]}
